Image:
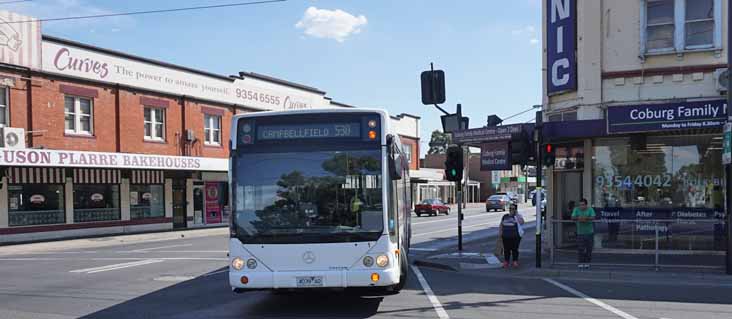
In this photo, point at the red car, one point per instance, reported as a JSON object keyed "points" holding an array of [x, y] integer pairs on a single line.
{"points": [[431, 207]]}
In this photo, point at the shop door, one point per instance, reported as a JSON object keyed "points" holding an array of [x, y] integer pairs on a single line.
{"points": [[198, 202], [179, 208], [567, 194]]}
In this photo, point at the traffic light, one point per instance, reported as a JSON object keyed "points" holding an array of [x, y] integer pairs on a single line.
{"points": [[454, 164], [520, 148], [548, 157]]}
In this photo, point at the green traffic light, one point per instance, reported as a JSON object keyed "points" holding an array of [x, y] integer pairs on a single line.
{"points": [[453, 172]]}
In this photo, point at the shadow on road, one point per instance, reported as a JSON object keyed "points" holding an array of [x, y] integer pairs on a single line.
{"points": [[209, 296]]}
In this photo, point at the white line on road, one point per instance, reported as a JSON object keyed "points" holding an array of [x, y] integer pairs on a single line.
{"points": [[422, 249], [215, 272], [174, 251], [430, 295], [116, 266], [162, 247], [451, 229], [113, 258], [589, 299]]}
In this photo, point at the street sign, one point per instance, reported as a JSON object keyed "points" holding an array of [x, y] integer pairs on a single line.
{"points": [[727, 144], [487, 134]]}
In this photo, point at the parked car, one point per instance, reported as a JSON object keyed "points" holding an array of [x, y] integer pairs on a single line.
{"points": [[532, 195], [431, 207], [511, 195], [498, 201]]}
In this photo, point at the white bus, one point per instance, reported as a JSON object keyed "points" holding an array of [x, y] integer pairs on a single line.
{"points": [[321, 199]]}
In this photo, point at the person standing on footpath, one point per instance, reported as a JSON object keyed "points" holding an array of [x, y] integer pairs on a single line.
{"points": [[584, 216], [511, 230]]}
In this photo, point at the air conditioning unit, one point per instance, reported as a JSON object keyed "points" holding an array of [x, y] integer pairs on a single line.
{"points": [[721, 79], [12, 137]]}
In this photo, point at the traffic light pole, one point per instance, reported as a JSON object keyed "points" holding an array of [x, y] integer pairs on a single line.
{"points": [[458, 184], [538, 141], [728, 167]]}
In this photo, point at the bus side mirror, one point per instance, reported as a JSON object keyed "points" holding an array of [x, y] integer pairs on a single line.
{"points": [[395, 166]]}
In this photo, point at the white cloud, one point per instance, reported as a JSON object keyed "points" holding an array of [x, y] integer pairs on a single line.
{"points": [[528, 32], [330, 24]]}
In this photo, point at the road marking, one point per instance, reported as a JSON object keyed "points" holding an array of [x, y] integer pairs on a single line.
{"points": [[589, 299], [174, 278], [175, 251], [450, 229], [162, 247], [430, 295], [116, 266], [422, 249], [114, 258], [216, 272]]}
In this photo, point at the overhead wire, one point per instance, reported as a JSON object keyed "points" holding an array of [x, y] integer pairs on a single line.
{"points": [[106, 15], [14, 1]]}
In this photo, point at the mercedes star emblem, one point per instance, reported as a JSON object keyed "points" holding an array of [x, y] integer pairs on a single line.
{"points": [[308, 257]]}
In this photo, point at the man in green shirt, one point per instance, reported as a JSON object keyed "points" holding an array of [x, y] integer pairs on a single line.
{"points": [[584, 216]]}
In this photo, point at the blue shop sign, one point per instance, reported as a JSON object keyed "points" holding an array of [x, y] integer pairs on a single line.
{"points": [[561, 46], [495, 157], [666, 117]]}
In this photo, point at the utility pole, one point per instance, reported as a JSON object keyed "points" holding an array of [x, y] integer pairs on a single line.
{"points": [[538, 140], [728, 167]]}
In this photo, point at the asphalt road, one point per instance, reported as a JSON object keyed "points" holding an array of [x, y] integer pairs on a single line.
{"points": [[186, 278]]}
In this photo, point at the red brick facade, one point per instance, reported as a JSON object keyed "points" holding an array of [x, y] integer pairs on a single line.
{"points": [[118, 117]]}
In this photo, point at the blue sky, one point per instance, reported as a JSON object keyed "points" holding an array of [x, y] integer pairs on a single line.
{"points": [[368, 54]]}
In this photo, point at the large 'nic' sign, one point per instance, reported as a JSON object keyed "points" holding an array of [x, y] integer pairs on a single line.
{"points": [[561, 44]]}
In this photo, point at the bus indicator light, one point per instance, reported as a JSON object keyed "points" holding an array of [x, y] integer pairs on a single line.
{"points": [[375, 277], [372, 124], [247, 139], [372, 135], [244, 280]]}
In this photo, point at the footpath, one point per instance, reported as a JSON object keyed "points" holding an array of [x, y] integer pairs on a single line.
{"points": [[108, 241], [478, 258]]}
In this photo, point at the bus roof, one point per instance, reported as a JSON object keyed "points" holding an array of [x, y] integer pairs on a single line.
{"points": [[383, 113]]}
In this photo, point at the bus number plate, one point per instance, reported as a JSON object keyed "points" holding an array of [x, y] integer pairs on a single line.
{"points": [[310, 281]]}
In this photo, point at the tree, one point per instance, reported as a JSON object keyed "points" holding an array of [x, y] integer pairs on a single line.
{"points": [[439, 142]]}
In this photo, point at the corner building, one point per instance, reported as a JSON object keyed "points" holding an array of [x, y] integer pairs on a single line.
{"points": [[97, 141], [633, 107]]}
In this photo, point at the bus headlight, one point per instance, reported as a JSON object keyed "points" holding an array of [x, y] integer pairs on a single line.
{"points": [[368, 261], [237, 263], [251, 263], [382, 260]]}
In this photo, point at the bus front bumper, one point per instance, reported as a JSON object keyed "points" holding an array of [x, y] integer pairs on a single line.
{"points": [[313, 279]]}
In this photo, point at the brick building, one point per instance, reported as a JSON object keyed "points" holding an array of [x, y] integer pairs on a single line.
{"points": [[96, 141]]}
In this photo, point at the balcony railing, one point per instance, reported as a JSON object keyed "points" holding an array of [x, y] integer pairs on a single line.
{"points": [[39, 217], [141, 212], [96, 215]]}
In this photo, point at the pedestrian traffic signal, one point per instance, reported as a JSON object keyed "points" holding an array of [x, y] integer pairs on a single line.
{"points": [[454, 164], [548, 157]]}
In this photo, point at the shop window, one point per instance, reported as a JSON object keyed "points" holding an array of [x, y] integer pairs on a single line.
{"points": [[96, 202], [147, 201], [212, 129], [4, 118], [154, 124], [675, 183], [680, 25], [36, 204], [78, 113]]}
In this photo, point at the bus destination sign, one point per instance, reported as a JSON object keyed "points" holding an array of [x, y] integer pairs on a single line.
{"points": [[308, 131]]}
